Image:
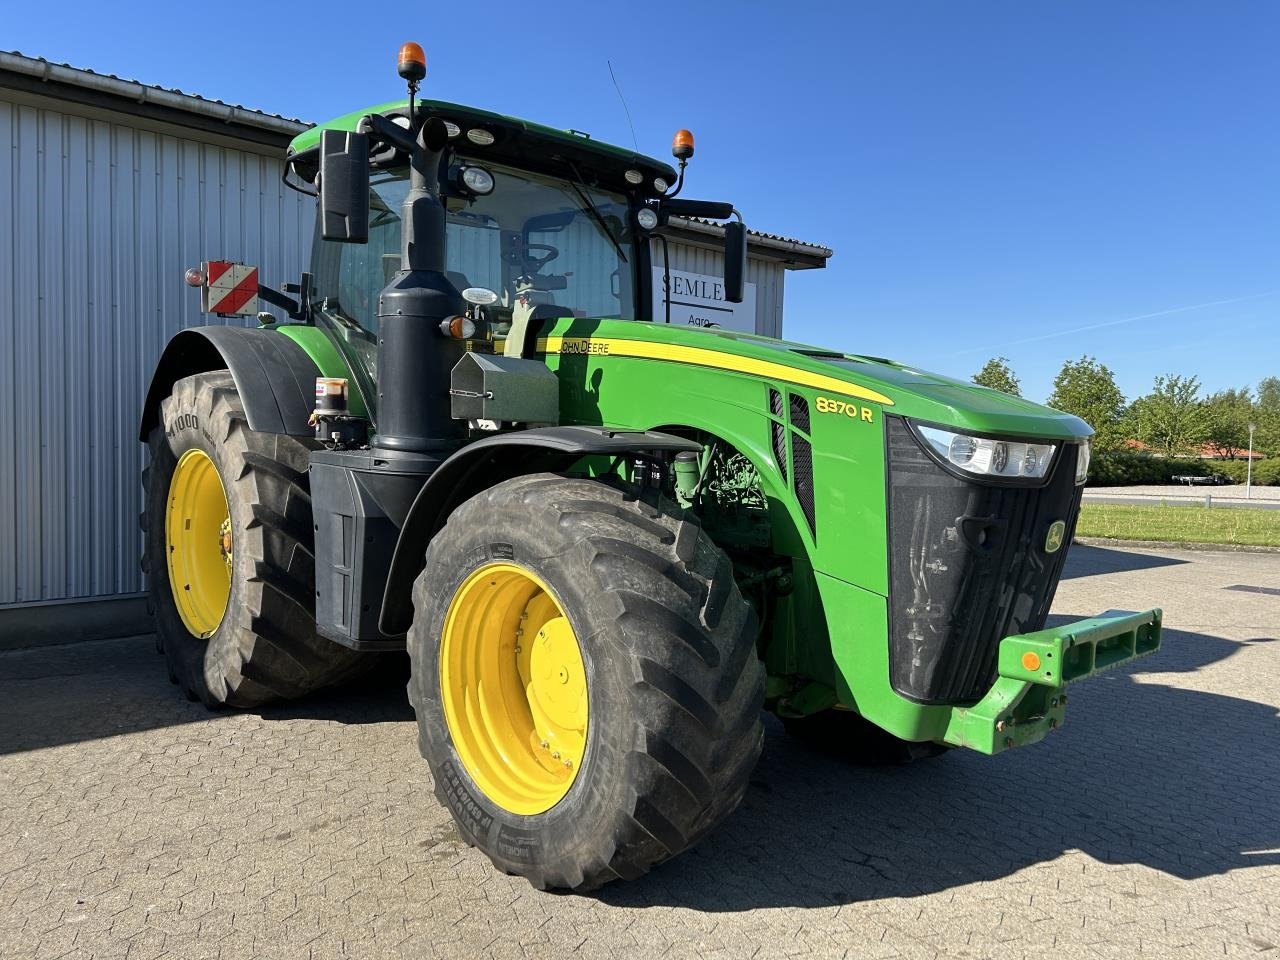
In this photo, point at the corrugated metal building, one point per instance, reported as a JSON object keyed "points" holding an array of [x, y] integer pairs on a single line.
{"points": [[109, 189]]}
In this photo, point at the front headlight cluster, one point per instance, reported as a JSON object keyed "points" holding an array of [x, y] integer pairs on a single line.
{"points": [[989, 457]]}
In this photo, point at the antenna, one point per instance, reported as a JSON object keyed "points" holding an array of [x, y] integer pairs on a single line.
{"points": [[627, 109]]}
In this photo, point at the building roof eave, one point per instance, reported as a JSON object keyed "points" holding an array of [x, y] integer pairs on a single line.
{"points": [[41, 77]]}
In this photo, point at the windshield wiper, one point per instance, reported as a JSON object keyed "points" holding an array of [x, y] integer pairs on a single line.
{"points": [[590, 207]]}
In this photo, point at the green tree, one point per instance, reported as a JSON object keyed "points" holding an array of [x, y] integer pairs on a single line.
{"points": [[998, 375], [1229, 413], [1088, 389], [1266, 414], [1172, 418]]}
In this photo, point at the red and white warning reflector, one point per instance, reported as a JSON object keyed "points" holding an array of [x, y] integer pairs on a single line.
{"points": [[229, 288]]}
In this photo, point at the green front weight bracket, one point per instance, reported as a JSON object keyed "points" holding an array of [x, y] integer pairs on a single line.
{"points": [[1026, 701]]}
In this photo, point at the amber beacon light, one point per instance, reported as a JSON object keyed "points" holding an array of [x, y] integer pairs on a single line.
{"points": [[411, 62], [682, 145]]}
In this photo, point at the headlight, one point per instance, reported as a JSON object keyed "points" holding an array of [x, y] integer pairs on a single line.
{"points": [[1082, 461], [989, 456], [478, 180], [647, 218]]}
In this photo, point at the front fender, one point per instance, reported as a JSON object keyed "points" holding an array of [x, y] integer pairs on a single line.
{"points": [[482, 464], [275, 376]]}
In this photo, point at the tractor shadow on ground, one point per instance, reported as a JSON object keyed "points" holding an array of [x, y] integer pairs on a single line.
{"points": [[375, 697], [1086, 560], [1182, 781], [79, 692]]}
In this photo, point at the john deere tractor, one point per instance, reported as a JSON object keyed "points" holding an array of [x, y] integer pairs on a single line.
{"points": [[606, 541]]}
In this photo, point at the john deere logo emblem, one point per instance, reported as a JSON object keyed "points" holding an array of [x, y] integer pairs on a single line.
{"points": [[1054, 540]]}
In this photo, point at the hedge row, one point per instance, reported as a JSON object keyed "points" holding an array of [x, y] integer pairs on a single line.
{"points": [[1140, 469]]}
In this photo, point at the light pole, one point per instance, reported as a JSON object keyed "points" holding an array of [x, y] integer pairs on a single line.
{"points": [[1248, 483]]}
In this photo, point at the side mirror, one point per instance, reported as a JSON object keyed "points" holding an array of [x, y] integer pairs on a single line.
{"points": [[344, 186], [735, 239], [735, 260]]}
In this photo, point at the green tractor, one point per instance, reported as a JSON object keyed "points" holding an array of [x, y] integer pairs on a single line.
{"points": [[606, 541]]}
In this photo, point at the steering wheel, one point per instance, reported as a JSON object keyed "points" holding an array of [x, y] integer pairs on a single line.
{"points": [[520, 256]]}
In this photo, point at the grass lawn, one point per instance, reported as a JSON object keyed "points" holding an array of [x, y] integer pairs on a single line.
{"points": [[1259, 528]]}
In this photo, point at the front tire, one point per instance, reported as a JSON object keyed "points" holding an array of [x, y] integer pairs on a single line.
{"points": [[229, 553], [580, 788]]}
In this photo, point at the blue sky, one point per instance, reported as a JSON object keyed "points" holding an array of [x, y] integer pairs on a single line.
{"points": [[1028, 179]]}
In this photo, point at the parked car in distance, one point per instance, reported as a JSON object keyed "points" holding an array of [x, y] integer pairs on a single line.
{"points": [[1198, 480]]}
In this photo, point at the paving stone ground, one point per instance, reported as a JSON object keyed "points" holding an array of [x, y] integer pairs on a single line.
{"points": [[134, 824]]}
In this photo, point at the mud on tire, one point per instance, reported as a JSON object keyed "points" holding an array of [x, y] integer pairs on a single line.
{"points": [[266, 647], [675, 687]]}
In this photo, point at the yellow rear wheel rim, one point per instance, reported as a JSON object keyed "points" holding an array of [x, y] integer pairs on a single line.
{"points": [[514, 688], [198, 543]]}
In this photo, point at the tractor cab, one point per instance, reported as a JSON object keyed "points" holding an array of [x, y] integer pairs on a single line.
{"points": [[525, 245], [536, 224]]}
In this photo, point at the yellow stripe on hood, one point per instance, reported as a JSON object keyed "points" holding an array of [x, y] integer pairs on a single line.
{"points": [[702, 357]]}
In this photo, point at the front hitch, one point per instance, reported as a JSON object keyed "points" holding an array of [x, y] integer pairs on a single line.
{"points": [[1027, 701]]}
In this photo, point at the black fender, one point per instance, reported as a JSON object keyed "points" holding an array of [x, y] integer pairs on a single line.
{"points": [[482, 464], [274, 375]]}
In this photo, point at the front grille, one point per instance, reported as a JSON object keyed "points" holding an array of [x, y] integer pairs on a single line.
{"points": [[967, 568]]}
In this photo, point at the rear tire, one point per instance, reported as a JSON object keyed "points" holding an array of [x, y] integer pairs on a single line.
{"points": [[265, 646], [847, 736], [674, 687]]}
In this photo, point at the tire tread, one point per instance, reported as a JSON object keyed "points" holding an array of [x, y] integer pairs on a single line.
{"points": [[695, 687], [275, 652]]}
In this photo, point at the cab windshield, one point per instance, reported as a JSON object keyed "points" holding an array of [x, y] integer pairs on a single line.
{"points": [[534, 239]]}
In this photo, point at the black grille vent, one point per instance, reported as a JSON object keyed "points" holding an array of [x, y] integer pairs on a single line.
{"points": [[967, 568], [802, 460], [780, 447], [800, 413], [779, 434]]}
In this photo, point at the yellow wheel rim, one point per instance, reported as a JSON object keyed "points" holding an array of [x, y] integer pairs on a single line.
{"points": [[514, 688], [198, 542]]}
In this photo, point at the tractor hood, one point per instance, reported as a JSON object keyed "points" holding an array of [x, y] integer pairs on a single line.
{"points": [[896, 387]]}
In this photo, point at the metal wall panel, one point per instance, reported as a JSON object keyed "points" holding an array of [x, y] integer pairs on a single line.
{"points": [[98, 221]]}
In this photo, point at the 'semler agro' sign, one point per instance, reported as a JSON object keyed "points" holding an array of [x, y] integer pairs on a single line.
{"points": [[697, 300]]}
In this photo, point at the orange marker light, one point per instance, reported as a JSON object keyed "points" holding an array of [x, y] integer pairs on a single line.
{"points": [[411, 62], [460, 328], [1031, 660], [682, 145]]}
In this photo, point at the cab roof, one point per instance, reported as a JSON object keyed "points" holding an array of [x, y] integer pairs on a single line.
{"points": [[503, 128]]}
